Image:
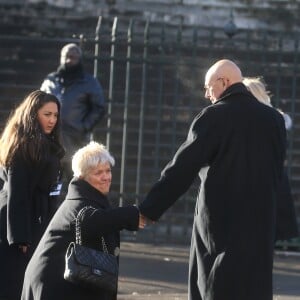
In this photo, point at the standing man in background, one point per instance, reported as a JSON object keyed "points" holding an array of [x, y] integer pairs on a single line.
{"points": [[237, 148], [82, 102]]}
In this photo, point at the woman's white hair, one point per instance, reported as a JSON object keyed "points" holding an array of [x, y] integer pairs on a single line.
{"points": [[88, 157], [258, 89]]}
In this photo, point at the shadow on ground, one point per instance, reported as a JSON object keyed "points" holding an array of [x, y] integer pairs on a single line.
{"points": [[160, 272]]}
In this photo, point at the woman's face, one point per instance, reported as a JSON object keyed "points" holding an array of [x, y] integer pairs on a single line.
{"points": [[47, 117], [100, 177]]}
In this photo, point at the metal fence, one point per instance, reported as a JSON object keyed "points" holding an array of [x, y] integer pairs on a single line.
{"points": [[154, 74]]}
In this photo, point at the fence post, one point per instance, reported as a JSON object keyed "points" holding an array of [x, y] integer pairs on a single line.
{"points": [[96, 56], [96, 53], [293, 103], [194, 62], [111, 80], [279, 71], [125, 115], [176, 86], [142, 111], [159, 98], [175, 106]]}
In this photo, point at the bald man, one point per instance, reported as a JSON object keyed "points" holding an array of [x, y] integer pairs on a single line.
{"points": [[219, 77], [237, 147]]}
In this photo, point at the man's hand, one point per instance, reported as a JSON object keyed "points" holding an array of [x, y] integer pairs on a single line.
{"points": [[143, 221], [23, 248]]}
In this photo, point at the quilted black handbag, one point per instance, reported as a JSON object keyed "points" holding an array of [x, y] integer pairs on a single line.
{"points": [[89, 267]]}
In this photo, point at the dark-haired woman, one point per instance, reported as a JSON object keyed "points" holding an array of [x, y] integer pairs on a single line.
{"points": [[30, 154]]}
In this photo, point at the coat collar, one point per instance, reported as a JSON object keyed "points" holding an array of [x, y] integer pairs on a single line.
{"points": [[237, 88], [80, 189]]}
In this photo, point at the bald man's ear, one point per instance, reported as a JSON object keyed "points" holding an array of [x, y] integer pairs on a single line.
{"points": [[224, 82]]}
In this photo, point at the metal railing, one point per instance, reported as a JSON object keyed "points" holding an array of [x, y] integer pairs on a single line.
{"points": [[155, 73], [152, 75]]}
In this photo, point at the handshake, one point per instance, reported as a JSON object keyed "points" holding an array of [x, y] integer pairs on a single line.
{"points": [[143, 221]]}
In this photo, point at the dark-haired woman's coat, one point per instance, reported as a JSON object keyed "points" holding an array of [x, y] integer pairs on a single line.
{"points": [[44, 275], [25, 210], [237, 147]]}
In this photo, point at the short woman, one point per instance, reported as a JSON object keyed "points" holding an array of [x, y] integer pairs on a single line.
{"points": [[286, 225], [30, 153], [90, 185]]}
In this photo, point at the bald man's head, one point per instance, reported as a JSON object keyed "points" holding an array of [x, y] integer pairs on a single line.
{"points": [[219, 77]]}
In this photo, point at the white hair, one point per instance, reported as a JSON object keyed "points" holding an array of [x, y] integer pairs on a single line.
{"points": [[258, 89], [88, 157]]}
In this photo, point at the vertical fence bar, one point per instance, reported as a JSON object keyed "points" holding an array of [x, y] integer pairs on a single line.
{"points": [[194, 64], [248, 47], [175, 105], [293, 104], [176, 87], [142, 112], [211, 42], [96, 53], [111, 80], [194, 75], [82, 40], [159, 97], [279, 71], [159, 105], [261, 69], [125, 115]]}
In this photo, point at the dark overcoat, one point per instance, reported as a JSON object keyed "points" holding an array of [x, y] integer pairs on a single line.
{"points": [[25, 210], [82, 101], [286, 224], [237, 146], [44, 275]]}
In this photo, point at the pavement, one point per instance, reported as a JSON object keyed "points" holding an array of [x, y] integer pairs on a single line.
{"points": [[160, 272]]}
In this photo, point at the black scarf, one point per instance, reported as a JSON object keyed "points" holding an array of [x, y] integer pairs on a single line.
{"points": [[68, 74]]}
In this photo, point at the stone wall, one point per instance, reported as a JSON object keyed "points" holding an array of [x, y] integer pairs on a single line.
{"points": [[31, 35], [270, 14]]}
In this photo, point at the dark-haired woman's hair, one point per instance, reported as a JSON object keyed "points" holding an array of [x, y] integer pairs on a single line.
{"points": [[23, 132]]}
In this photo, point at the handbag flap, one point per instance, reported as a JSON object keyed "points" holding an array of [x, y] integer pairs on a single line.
{"points": [[95, 259]]}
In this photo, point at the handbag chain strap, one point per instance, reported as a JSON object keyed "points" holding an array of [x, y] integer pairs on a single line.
{"points": [[104, 245], [77, 225], [78, 229]]}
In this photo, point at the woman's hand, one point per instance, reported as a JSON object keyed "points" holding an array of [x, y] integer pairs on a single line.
{"points": [[142, 222]]}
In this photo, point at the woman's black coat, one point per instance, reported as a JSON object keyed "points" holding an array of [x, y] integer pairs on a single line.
{"points": [[44, 274], [237, 147], [25, 210]]}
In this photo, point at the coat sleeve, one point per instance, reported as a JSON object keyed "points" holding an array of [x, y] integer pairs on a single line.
{"points": [[96, 103], [97, 222], [19, 203], [196, 152]]}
